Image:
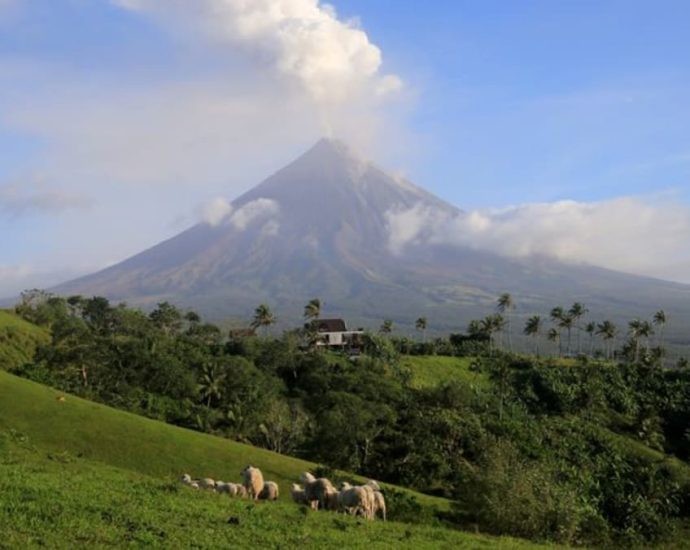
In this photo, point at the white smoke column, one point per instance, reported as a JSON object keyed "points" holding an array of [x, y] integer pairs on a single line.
{"points": [[303, 40], [215, 211]]}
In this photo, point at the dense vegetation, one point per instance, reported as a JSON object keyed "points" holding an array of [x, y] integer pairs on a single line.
{"points": [[523, 446]]}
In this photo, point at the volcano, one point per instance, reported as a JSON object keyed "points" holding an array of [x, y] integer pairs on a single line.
{"points": [[320, 228]]}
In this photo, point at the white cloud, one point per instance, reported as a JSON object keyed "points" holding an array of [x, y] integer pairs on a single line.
{"points": [[332, 60], [256, 209], [632, 234], [33, 196], [215, 211]]}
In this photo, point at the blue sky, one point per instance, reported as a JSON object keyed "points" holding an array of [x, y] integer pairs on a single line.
{"points": [[120, 119]]}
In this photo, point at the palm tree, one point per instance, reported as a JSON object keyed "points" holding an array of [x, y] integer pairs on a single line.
{"points": [[576, 312], [533, 328], [564, 321], [386, 327], [263, 317], [590, 328], [504, 306], [554, 335], [313, 309], [637, 330], [557, 315], [492, 324], [608, 331], [210, 383], [420, 324], [659, 321]]}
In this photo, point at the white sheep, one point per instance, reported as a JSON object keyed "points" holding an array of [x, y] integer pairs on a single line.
{"points": [[207, 483], [379, 505], [241, 491], [298, 495], [270, 491], [354, 500], [222, 487], [317, 491], [373, 484], [186, 479], [253, 481]]}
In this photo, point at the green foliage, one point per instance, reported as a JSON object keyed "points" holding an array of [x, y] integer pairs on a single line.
{"points": [[19, 340]]}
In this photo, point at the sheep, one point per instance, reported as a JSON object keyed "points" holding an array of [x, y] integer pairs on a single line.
{"points": [[194, 484], [353, 500], [373, 484], [298, 495], [317, 490], [379, 505], [270, 491], [253, 481], [222, 487], [186, 479], [207, 483], [241, 490]]}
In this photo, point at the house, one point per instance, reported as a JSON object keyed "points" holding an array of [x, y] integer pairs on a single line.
{"points": [[333, 333]]}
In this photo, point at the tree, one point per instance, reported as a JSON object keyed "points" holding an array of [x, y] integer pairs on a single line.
{"points": [[637, 330], [313, 309], [210, 383], [505, 305], [420, 324], [659, 321], [564, 321], [554, 335], [576, 312], [591, 328], [492, 324], [263, 317], [167, 318], [608, 331], [386, 327], [533, 328]]}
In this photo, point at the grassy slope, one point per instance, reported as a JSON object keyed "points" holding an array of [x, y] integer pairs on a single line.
{"points": [[56, 500], [125, 440], [428, 371], [18, 340]]}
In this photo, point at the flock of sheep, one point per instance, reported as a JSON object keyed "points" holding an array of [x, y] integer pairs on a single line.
{"points": [[317, 493]]}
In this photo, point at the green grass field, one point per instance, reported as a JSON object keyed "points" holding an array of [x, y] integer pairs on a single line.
{"points": [[428, 371], [78, 474], [18, 340]]}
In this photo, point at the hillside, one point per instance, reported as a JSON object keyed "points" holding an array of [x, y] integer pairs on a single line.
{"points": [[18, 340], [96, 432], [77, 473], [57, 500]]}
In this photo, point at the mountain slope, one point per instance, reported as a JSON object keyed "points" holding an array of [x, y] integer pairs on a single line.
{"points": [[18, 340], [320, 227]]}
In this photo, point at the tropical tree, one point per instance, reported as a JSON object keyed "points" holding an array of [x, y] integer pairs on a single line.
{"points": [[659, 321], [554, 335], [420, 324], [210, 384], [637, 330], [591, 328], [608, 331], [492, 324], [504, 306], [263, 317], [313, 309], [386, 327], [533, 328], [576, 312], [564, 321]]}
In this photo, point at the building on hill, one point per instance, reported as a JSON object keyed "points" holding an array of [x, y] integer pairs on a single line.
{"points": [[333, 333]]}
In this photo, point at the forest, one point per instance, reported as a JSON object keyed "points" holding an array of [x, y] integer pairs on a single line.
{"points": [[585, 450]]}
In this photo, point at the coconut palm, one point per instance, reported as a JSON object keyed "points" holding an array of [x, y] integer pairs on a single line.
{"points": [[504, 306], [263, 317], [576, 312], [420, 324], [554, 335], [386, 327], [637, 330], [564, 321], [533, 328], [210, 383], [591, 328], [313, 309], [492, 324], [659, 321], [608, 331]]}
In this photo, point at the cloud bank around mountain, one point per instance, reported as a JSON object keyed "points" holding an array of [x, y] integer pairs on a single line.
{"points": [[642, 235]]}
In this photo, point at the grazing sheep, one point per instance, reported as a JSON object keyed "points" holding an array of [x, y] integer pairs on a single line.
{"points": [[317, 490], [353, 500], [241, 490], [253, 481], [194, 484], [373, 484], [298, 495], [332, 500], [186, 479], [207, 483], [222, 487], [379, 505], [270, 491]]}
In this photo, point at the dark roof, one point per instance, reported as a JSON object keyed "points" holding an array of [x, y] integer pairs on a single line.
{"points": [[330, 325]]}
